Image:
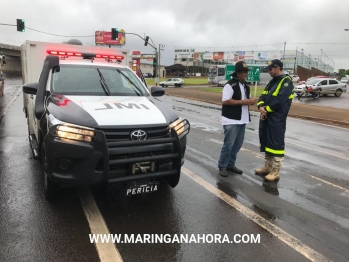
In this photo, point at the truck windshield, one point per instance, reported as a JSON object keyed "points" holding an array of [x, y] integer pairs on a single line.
{"points": [[212, 71], [87, 80]]}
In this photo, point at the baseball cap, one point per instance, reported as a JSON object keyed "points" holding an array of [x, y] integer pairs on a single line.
{"points": [[275, 63]]}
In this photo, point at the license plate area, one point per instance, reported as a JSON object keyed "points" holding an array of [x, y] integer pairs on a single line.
{"points": [[143, 188], [143, 168]]}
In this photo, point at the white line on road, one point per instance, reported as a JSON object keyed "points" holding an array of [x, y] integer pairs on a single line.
{"points": [[253, 113], [345, 99], [262, 222], [288, 141], [329, 183], [261, 156], [106, 251]]}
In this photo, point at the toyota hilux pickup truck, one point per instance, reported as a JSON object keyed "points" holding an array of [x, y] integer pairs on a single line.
{"points": [[91, 120]]}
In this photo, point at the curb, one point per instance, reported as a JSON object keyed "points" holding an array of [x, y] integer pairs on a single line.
{"points": [[310, 118]]}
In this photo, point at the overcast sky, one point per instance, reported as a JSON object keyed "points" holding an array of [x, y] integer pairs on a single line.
{"points": [[220, 25]]}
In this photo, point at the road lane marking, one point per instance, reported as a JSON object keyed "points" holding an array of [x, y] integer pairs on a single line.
{"points": [[287, 140], [3, 112], [319, 151], [261, 156], [345, 99], [329, 183], [107, 252], [291, 241], [295, 118]]}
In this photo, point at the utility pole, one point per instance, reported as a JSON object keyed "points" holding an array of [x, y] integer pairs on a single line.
{"points": [[160, 49], [295, 61], [283, 55], [309, 65]]}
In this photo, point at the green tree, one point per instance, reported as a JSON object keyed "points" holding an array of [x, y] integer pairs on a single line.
{"points": [[342, 72], [347, 72]]}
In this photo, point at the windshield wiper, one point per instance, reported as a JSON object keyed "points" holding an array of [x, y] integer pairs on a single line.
{"points": [[103, 83], [139, 93]]}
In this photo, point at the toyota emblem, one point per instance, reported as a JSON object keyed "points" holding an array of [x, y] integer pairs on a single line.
{"points": [[138, 135]]}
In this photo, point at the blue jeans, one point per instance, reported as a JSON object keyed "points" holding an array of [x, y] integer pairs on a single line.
{"points": [[233, 139]]}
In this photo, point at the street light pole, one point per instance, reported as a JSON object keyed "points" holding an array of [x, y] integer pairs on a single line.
{"points": [[160, 46]]}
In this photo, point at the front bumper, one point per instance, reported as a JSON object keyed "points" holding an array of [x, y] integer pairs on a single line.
{"points": [[74, 163]]}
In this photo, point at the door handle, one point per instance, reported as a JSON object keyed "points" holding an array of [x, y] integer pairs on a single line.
{"points": [[31, 96]]}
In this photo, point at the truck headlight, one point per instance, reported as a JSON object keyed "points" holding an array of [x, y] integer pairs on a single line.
{"points": [[75, 133], [178, 126]]}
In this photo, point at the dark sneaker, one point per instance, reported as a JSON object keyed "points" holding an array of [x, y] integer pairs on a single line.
{"points": [[223, 172], [235, 170]]}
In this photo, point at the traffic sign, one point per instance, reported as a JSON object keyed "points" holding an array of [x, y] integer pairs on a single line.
{"points": [[253, 74]]}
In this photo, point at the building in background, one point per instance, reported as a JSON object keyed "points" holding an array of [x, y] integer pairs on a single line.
{"points": [[199, 62], [148, 68]]}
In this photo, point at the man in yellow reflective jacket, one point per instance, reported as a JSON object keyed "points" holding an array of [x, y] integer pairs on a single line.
{"points": [[274, 105]]}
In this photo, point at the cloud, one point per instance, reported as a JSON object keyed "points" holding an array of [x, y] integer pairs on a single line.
{"points": [[203, 25]]}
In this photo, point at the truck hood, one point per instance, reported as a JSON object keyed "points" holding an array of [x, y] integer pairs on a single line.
{"points": [[92, 111]]}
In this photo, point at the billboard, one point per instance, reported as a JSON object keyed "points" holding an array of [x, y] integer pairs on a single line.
{"points": [[239, 56], [104, 38], [207, 56], [198, 57], [218, 56], [262, 56], [184, 53], [229, 56], [274, 55], [250, 55]]}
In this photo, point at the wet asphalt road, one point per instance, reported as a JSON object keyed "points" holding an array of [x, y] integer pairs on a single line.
{"points": [[310, 202]]}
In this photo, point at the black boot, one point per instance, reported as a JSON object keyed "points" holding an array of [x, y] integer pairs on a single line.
{"points": [[235, 170]]}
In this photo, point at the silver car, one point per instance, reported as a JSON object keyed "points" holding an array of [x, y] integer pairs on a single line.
{"points": [[327, 86], [345, 80]]}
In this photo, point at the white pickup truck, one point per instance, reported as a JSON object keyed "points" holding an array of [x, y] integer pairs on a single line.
{"points": [[92, 120]]}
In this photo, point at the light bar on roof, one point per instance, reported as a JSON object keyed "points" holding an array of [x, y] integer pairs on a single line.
{"points": [[66, 53]]}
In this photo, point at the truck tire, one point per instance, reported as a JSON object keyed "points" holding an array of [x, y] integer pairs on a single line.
{"points": [[51, 189]]}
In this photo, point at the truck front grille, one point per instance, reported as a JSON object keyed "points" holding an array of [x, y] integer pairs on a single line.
{"points": [[113, 134]]}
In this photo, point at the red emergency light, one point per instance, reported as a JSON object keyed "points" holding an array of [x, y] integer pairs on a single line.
{"points": [[65, 53]]}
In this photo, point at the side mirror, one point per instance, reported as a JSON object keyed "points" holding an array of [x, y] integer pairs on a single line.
{"points": [[30, 88], [157, 91]]}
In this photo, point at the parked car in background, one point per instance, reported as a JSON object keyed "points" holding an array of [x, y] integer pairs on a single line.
{"points": [[295, 78], [177, 82], [345, 80], [222, 83], [324, 85], [314, 77], [147, 75]]}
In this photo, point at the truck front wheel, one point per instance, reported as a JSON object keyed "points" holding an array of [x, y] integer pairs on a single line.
{"points": [[51, 189]]}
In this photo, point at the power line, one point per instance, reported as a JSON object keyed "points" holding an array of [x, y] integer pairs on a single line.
{"points": [[7, 24], [50, 33], [57, 34]]}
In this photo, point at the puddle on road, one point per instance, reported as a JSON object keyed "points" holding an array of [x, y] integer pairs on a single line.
{"points": [[198, 105], [258, 210], [206, 128]]}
